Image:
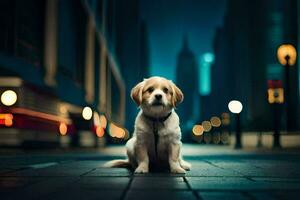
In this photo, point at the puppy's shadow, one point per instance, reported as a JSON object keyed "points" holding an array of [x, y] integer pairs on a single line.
{"points": [[159, 168]]}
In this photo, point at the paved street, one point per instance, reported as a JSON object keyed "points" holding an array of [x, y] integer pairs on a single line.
{"points": [[218, 172]]}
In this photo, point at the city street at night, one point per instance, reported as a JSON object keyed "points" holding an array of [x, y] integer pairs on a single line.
{"points": [[218, 172], [149, 99]]}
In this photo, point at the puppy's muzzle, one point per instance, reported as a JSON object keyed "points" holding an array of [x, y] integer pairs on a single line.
{"points": [[157, 101]]}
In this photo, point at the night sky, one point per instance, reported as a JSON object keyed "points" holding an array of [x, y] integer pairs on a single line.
{"points": [[169, 20]]}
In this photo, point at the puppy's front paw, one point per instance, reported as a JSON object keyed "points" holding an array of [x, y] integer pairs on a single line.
{"points": [[141, 169], [178, 170], [185, 165]]}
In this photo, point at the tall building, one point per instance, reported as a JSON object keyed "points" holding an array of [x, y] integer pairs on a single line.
{"points": [[245, 58], [62, 56], [144, 53], [132, 50], [187, 81]]}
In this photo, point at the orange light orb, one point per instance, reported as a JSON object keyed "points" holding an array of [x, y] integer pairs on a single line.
{"points": [[215, 121], [198, 130], [287, 50], [8, 120], [63, 128], [99, 132], [116, 131]]}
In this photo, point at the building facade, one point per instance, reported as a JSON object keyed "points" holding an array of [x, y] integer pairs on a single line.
{"points": [[245, 59], [82, 52], [132, 50]]}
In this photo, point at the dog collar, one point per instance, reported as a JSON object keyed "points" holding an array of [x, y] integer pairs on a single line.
{"points": [[158, 119]]}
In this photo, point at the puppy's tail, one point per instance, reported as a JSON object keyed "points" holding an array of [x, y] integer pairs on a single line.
{"points": [[117, 163]]}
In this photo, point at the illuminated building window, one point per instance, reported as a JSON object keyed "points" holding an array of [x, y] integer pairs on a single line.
{"points": [[205, 73]]}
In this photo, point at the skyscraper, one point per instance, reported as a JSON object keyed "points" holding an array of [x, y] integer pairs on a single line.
{"points": [[187, 81], [132, 51]]}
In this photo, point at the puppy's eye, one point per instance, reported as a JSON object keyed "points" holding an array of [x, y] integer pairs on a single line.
{"points": [[150, 89], [166, 90]]}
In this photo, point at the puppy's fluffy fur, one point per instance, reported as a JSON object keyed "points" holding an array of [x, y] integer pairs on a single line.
{"points": [[157, 97]]}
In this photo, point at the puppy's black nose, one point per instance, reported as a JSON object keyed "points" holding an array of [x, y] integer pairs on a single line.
{"points": [[158, 96]]}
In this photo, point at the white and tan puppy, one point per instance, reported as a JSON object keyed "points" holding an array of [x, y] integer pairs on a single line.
{"points": [[157, 136]]}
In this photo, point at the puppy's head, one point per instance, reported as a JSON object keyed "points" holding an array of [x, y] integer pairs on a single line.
{"points": [[156, 95]]}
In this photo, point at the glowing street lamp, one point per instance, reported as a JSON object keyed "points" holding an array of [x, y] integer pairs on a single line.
{"points": [[236, 108], [276, 99], [287, 56]]}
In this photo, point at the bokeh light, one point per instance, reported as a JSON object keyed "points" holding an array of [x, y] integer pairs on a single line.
{"points": [[116, 131], [87, 113], [96, 119], [275, 95], [206, 126], [225, 119], [287, 50], [103, 121], [235, 106], [208, 57], [9, 97], [63, 128], [198, 129], [215, 121], [8, 120], [100, 131]]}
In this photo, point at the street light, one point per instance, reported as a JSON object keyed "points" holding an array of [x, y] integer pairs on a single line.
{"points": [[287, 55], [236, 108], [275, 99]]}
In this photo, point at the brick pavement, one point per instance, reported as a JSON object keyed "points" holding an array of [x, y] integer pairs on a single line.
{"points": [[230, 176]]}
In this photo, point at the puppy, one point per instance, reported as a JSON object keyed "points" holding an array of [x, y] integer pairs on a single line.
{"points": [[157, 136]]}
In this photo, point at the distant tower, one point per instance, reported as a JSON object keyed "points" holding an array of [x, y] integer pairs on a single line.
{"points": [[187, 80], [144, 50]]}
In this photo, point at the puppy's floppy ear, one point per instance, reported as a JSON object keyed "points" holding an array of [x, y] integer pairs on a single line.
{"points": [[177, 97], [136, 93]]}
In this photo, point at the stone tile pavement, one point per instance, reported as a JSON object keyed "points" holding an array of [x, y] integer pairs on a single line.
{"points": [[249, 175]]}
